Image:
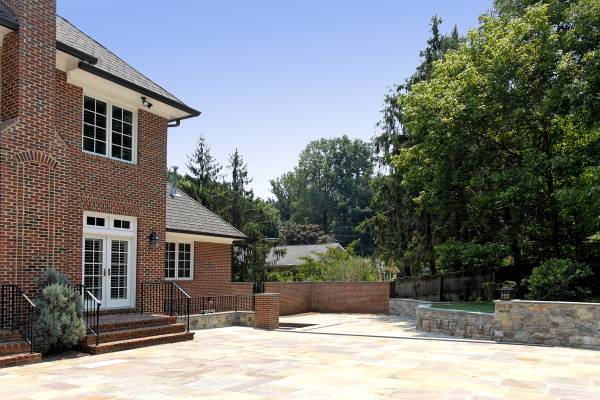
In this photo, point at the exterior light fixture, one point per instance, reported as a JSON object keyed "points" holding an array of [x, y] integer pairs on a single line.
{"points": [[506, 293], [145, 102], [154, 238]]}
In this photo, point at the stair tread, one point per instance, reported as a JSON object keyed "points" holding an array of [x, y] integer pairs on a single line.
{"points": [[142, 339], [140, 328], [12, 341], [115, 323], [19, 356]]}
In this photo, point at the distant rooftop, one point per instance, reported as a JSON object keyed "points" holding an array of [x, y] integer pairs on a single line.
{"points": [[294, 253]]}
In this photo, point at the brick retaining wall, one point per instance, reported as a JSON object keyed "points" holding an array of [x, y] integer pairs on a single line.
{"points": [[266, 310], [340, 297]]}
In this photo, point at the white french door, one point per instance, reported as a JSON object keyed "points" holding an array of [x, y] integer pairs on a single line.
{"points": [[107, 269]]}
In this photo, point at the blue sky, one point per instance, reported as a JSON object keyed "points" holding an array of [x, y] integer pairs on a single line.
{"points": [[269, 76]]}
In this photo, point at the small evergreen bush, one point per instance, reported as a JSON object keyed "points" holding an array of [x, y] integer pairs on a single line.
{"points": [[559, 279], [59, 323]]}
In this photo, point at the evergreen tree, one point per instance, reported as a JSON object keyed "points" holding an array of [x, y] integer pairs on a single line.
{"points": [[204, 174]]}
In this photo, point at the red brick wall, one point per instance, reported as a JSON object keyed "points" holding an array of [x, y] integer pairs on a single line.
{"points": [[338, 297], [296, 297], [242, 288]]}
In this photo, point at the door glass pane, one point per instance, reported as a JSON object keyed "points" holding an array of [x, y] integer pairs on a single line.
{"points": [[93, 258], [119, 260]]}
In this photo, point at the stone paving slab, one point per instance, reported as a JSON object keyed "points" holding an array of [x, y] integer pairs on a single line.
{"points": [[346, 357]]}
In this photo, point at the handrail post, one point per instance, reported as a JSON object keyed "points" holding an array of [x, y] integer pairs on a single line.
{"points": [[97, 323], [188, 314], [31, 329], [142, 298]]}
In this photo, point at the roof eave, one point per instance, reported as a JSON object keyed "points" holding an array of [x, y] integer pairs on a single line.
{"points": [[7, 23], [236, 237], [72, 51], [129, 85]]}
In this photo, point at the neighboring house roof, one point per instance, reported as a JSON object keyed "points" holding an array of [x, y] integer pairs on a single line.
{"points": [[186, 215], [100, 61], [294, 253]]}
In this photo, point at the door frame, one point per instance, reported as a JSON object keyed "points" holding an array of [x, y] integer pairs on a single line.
{"points": [[107, 233]]}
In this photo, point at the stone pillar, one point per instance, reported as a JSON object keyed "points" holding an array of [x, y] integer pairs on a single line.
{"points": [[266, 308]]}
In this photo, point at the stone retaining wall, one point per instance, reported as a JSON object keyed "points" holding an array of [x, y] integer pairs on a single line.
{"points": [[471, 325], [407, 307], [221, 319], [548, 323]]}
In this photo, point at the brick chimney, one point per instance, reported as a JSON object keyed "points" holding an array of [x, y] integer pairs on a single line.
{"points": [[32, 167], [28, 64]]}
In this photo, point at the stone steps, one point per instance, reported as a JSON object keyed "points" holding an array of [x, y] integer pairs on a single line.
{"points": [[13, 360], [113, 323], [128, 331], [134, 333], [138, 342], [14, 350], [8, 347]]}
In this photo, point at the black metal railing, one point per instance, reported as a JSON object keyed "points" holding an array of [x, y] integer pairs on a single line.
{"points": [[17, 312], [215, 304], [165, 297], [91, 311]]}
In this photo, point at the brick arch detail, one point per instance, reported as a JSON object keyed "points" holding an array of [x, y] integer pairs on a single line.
{"points": [[36, 216], [36, 156]]}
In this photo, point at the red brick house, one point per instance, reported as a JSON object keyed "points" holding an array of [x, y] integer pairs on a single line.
{"points": [[83, 155]]}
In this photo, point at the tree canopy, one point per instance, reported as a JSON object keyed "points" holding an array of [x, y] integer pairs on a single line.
{"points": [[499, 142], [329, 187]]}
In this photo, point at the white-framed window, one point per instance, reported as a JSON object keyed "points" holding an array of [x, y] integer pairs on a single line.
{"points": [[119, 224], [109, 129], [179, 260]]}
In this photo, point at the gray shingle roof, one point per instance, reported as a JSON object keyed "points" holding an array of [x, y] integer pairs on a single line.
{"points": [[186, 215], [295, 252], [100, 61], [108, 62]]}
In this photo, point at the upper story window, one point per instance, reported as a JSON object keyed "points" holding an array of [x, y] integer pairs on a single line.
{"points": [[108, 130]]}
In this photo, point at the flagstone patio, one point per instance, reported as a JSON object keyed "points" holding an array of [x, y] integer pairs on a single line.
{"points": [[340, 357]]}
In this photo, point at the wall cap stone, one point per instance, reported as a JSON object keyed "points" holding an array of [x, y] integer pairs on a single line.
{"points": [[266, 294], [449, 311], [572, 303]]}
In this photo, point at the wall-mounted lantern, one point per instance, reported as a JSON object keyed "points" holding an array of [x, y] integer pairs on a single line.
{"points": [[154, 238], [506, 293]]}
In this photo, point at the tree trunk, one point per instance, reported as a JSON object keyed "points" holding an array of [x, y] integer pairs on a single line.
{"points": [[429, 244]]}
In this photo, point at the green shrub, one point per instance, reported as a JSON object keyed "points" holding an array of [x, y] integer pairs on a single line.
{"points": [[51, 276], [456, 256], [559, 279], [336, 265], [58, 324]]}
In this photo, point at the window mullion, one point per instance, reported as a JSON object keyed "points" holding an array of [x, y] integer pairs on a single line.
{"points": [[109, 129], [176, 260]]}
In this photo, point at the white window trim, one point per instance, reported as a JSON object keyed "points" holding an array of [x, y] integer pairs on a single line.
{"points": [[177, 278], [109, 104], [108, 228]]}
